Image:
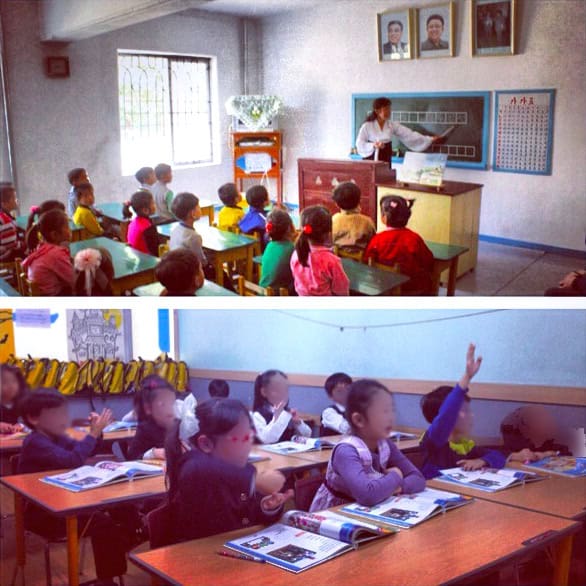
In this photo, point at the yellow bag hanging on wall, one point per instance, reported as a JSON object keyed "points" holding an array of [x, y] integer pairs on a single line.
{"points": [[68, 377], [113, 378], [52, 372], [35, 371]]}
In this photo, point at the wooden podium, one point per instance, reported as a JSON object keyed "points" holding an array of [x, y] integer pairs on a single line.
{"points": [[250, 145], [319, 177]]}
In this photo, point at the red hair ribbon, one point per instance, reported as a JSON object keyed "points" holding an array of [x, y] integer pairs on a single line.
{"points": [[35, 209], [307, 229], [269, 227]]}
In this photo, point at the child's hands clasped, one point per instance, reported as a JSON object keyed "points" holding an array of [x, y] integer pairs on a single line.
{"points": [[472, 367], [474, 464], [99, 421], [269, 481], [295, 417], [275, 500], [9, 427]]}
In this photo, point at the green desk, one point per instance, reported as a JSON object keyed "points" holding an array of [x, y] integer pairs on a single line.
{"points": [[77, 232], [131, 267], [222, 247], [7, 290], [446, 256], [113, 211], [365, 280], [209, 289]]}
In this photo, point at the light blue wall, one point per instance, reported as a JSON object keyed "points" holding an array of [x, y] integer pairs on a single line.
{"points": [[518, 346]]}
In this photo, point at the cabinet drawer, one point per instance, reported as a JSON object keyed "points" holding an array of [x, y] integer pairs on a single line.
{"points": [[327, 180], [315, 198]]}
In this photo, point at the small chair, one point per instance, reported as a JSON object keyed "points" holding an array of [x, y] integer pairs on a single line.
{"points": [[247, 289], [305, 490], [26, 287], [160, 527], [163, 249]]}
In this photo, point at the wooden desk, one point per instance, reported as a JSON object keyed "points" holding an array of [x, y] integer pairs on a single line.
{"points": [[436, 552], [556, 495], [451, 216], [69, 505], [209, 289], [365, 280], [131, 267], [77, 232], [113, 211], [445, 257], [223, 247]]}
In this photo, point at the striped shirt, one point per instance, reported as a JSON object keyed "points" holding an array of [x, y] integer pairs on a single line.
{"points": [[8, 232]]}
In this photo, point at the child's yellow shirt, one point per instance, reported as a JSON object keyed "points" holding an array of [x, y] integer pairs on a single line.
{"points": [[86, 218], [229, 217]]}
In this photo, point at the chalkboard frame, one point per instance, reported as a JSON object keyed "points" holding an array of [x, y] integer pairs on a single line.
{"points": [[485, 95], [548, 162]]}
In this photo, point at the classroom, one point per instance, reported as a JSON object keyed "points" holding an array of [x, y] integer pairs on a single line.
{"points": [[531, 533], [239, 94]]}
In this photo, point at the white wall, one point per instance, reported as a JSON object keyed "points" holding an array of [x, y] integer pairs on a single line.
{"points": [[59, 124], [540, 347], [315, 60]]}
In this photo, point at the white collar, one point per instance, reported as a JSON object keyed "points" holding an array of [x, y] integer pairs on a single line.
{"points": [[340, 407]]}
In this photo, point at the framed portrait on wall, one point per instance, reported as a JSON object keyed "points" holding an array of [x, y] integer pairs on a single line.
{"points": [[492, 27], [394, 35], [435, 31]]}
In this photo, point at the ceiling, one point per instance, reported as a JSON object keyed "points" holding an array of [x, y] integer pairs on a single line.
{"points": [[259, 8]]}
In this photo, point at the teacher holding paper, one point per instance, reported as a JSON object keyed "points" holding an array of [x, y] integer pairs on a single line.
{"points": [[375, 135]]}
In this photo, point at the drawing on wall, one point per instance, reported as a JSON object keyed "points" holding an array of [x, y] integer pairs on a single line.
{"points": [[460, 118], [99, 333], [492, 27]]}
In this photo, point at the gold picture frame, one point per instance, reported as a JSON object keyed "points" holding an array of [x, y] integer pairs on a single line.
{"points": [[434, 31], [392, 27], [492, 27]]}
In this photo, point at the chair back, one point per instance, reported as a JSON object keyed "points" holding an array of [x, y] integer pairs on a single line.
{"points": [[163, 249], [305, 490], [160, 526]]}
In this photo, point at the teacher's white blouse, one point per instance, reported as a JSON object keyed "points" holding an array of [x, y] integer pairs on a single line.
{"points": [[370, 132]]}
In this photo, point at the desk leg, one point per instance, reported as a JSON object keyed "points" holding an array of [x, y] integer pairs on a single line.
{"points": [[563, 556], [19, 538], [124, 231], [210, 213], [72, 550], [249, 265], [219, 264], [452, 275]]}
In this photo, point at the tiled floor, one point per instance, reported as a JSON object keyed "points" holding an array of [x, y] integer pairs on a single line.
{"points": [[506, 270]]}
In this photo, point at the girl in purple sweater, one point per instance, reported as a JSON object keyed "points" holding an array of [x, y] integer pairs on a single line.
{"points": [[366, 466]]}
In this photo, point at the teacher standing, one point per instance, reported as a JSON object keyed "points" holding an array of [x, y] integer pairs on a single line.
{"points": [[375, 135]]}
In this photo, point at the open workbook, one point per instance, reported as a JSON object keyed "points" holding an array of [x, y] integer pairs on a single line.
{"points": [[298, 445], [100, 474], [121, 426], [408, 510], [302, 540], [487, 479], [569, 466]]}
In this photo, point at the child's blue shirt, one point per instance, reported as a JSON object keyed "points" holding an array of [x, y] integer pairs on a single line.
{"points": [[253, 220]]}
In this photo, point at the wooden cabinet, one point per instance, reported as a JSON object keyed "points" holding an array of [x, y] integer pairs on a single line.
{"points": [[319, 177], [451, 216], [249, 145]]}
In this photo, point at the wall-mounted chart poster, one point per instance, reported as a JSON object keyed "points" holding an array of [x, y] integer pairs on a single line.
{"points": [[523, 131]]}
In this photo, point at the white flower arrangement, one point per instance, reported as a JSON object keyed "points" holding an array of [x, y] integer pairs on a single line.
{"points": [[255, 111]]}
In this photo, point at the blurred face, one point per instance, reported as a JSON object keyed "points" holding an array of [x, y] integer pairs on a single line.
{"points": [[199, 278], [167, 177], [9, 389], [11, 203], [151, 178], [435, 28], [276, 391], [395, 33], [63, 234], [161, 409], [377, 423], [233, 447], [196, 213], [340, 393], [383, 113], [53, 422], [83, 178], [465, 421], [152, 207], [539, 424], [87, 197]]}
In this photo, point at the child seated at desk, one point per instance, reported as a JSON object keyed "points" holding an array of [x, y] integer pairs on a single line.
{"points": [[154, 405], [186, 209], [366, 466], [94, 272], [142, 232], [447, 443], [232, 212], [219, 389], [146, 178], [49, 264], [531, 433], [114, 531], [163, 196], [12, 392], [212, 487], [317, 271], [75, 177], [33, 220], [273, 419], [398, 245], [333, 418], [276, 259], [180, 273], [351, 230], [86, 215], [254, 221], [11, 244]]}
